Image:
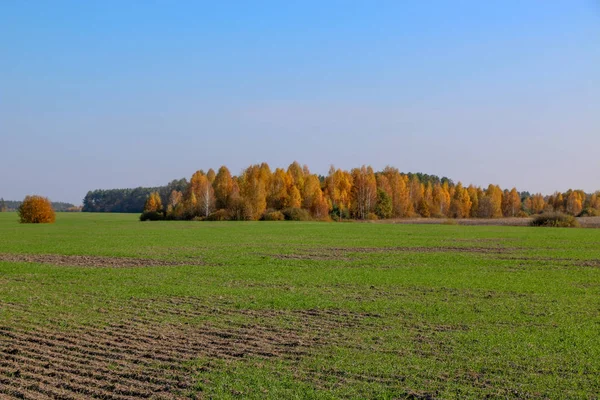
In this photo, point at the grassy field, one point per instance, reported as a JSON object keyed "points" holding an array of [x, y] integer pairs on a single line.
{"points": [[106, 306]]}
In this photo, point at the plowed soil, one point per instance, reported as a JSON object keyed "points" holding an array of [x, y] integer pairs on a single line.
{"points": [[141, 357], [345, 254], [93, 261]]}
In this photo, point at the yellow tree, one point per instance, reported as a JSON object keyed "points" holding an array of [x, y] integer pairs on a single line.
{"points": [[538, 204], [294, 199], [223, 187], [441, 199], [190, 204], [559, 202], [253, 190], [278, 195], [511, 203], [364, 191], [474, 196], [339, 189], [428, 195], [461, 202], [296, 173], [574, 202], [153, 203], [312, 191], [314, 200], [175, 199], [415, 192], [398, 192], [490, 205], [205, 195], [210, 175]]}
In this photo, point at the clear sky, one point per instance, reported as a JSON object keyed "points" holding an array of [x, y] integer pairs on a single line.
{"points": [[112, 94]]}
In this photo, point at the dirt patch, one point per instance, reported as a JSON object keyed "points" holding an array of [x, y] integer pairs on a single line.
{"points": [[128, 360], [345, 254], [464, 221], [141, 356], [95, 261], [593, 263]]}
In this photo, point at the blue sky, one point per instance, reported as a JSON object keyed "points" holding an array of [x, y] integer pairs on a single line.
{"points": [[122, 94]]}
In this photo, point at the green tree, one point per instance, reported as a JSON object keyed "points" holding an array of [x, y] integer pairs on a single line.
{"points": [[384, 207]]}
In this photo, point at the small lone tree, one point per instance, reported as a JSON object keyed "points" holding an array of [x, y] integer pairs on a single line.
{"points": [[36, 210], [2, 205]]}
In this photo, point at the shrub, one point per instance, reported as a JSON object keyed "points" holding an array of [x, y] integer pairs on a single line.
{"points": [[36, 210], [589, 212], [296, 214], [522, 214], [372, 217], [274, 216], [555, 219], [151, 216], [219, 215], [337, 213]]}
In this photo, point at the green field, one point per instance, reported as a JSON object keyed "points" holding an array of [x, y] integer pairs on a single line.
{"points": [[296, 310]]}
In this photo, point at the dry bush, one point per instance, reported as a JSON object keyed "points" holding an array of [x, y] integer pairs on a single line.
{"points": [[372, 217], [555, 219], [36, 210], [274, 216], [219, 215], [296, 214], [450, 221]]}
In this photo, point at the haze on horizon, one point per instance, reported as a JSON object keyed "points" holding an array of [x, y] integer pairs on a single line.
{"points": [[114, 95]]}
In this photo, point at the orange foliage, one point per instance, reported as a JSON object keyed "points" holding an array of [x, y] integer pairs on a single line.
{"points": [[36, 210]]}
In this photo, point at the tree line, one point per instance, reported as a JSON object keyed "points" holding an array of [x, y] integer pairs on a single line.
{"points": [[259, 192], [9, 205], [127, 200]]}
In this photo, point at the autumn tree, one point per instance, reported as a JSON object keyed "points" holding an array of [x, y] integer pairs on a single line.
{"points": [[36, 210], [210, 175], [460, 206], [490, 205], [206, 197], [397, 191], [441, 199], [474, 195], [253, 189], [175, 205], [278, 196], [294, 200], [338, 185], [416, 191], [314, 200], [153, 203], [558, 202], [538, 204], [364, 191], [511, 203], [296, 173], [574, 202], [223, 187]]}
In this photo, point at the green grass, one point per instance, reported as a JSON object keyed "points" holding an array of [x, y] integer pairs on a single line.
{"points": [[520, 321]]}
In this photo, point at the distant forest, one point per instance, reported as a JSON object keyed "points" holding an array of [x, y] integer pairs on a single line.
{"points": [[361, 193], [9, 205], [128, 200]]}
